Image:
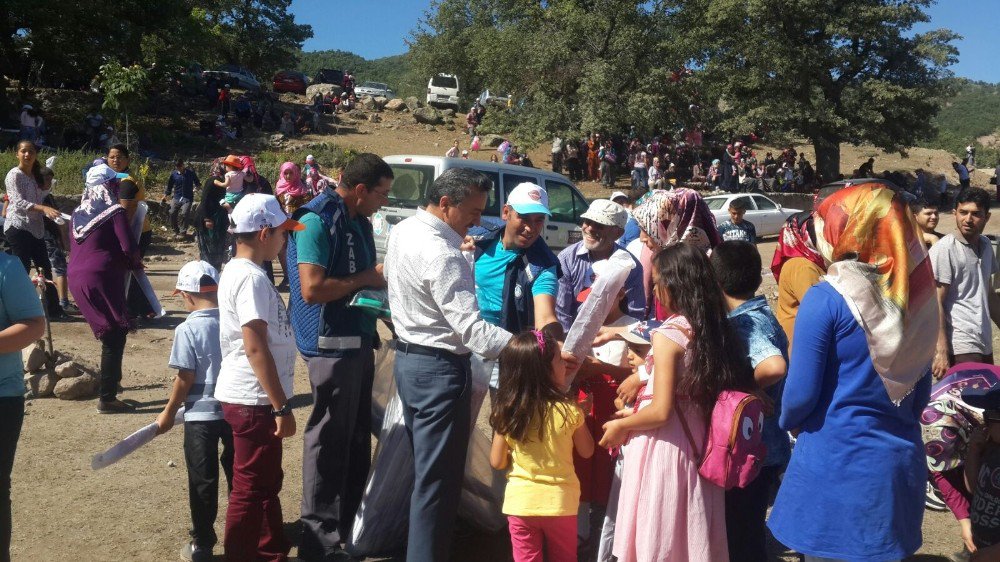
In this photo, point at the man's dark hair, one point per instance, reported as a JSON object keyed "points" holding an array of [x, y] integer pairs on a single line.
{"points": [[120, 147], [456, 184], [366, 168], [920, 204], [737, 266], [179, 162], [976, 195], [739, 204]]}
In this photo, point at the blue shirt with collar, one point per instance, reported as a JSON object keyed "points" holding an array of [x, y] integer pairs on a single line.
{"points": [[577, 275]]}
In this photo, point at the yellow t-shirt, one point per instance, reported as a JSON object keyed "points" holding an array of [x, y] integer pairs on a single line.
{"points": [[797, 276], [542, 480]]}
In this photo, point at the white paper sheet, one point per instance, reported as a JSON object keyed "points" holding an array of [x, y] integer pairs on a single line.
{"points": [[130, 444]]}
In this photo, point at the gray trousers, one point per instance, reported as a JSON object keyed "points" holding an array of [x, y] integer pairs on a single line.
{"points": [[435, 392], [336, 449], [179, 210]]}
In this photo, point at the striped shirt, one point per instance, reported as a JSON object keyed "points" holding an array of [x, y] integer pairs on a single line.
{"points": [[197, 349]]}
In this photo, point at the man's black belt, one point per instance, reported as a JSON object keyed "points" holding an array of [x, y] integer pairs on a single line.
{"points": [[436, 352]]}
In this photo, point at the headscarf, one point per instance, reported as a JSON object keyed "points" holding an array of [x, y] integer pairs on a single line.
{"points": [[295, 187], [681, 215], [794, 242], [880, 266], [217, 169], [947, 421], [249, 168], [99, 202]]}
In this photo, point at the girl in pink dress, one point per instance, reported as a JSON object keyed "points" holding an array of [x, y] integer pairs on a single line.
{"points": [[666, 510]]}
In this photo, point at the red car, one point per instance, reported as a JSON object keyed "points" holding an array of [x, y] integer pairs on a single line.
{"points": [[290, 81]]}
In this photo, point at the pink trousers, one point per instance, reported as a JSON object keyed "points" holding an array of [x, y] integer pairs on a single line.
{"points": [[543, 538]]}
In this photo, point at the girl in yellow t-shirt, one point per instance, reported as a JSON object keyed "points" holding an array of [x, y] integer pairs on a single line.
{"points": [[536, 426]]}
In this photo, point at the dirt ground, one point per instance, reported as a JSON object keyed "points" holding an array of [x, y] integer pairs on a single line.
{"points": [[137, 509]]}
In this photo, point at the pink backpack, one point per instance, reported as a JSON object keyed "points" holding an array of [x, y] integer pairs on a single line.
{"points": [[734, 449]]}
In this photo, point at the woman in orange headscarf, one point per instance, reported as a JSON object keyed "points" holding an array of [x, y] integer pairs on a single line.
{"points": [[858, 379], [593, 162]]}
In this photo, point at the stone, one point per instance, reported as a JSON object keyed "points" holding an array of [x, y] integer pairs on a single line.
{"points": [[427, 116], [36, 357], [380, 102], [40, 385], [367, 102], [171, 464], [375, 118], [450, 127], [77, 388], [492, 141], [324, 89], [449, 113], [413, 103], [430, 128], [68, 370], [395, 105]]}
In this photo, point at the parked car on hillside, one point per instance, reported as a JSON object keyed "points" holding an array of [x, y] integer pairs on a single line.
{"points": [[765, 215], [235, 76], [443, 90], [415, 174], [291, 81], [493, 98], [329, 76], [374, 89]]}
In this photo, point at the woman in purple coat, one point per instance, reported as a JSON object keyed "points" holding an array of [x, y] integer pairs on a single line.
{"points": [[104, 251]]}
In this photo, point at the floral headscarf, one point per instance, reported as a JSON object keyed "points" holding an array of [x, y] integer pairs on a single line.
{"points": [[794, 241], [217, 169], [681, 215], [947, 421], [880, 266], [99, 202]]}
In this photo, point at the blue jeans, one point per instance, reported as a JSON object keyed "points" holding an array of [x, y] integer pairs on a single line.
{"points": [[435, 393]]}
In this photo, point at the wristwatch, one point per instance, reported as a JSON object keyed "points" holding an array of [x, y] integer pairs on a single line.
{"points": [[282, 411]]}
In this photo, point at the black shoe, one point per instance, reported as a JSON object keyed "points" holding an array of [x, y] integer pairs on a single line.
{"points": [[60, 316], [69, 308], [113, 407]]}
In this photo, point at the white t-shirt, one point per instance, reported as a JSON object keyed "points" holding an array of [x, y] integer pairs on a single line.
{"points": [[235, 181], [246, 294]]}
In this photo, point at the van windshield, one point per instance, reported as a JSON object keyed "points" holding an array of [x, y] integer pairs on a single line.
{"points": [[444, 82], [410, 184]]}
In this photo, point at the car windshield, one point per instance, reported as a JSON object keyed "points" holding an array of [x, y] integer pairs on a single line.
{"points": [[373, 85], [409, 185], [716, 203], [444, 82]]}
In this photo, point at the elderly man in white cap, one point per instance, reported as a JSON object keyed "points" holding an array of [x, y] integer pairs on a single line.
{"points": [[603, 224]]}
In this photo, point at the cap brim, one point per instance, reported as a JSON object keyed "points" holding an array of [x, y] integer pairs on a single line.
{"points": [[292, 225], [599, 220], [530, 209], [205, 289]]}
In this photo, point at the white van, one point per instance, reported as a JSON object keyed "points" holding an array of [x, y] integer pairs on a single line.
{"points": [[443, 90], [414, 174]]}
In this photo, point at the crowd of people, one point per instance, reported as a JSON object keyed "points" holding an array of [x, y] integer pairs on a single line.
{"points": [[608, 453]]}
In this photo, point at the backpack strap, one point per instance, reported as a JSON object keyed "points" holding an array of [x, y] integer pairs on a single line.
{"points": [[687, 432]]}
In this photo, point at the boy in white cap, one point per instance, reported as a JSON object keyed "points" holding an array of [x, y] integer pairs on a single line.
{"points": [[255, 381], [197, 357]]}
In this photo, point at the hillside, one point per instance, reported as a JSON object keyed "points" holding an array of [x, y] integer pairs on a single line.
{"points": [[972, 114], [394, 71]]}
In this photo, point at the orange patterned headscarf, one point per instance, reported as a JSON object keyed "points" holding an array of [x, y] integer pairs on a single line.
{"points": [[880, 266]]}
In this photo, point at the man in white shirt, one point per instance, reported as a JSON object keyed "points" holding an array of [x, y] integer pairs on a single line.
{"points": [[432, 295]]}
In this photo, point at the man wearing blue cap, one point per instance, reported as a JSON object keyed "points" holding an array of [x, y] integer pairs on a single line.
{"points": [[517, 275]]}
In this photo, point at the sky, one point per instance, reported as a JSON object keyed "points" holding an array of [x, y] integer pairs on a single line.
{"points": [[378, 29]]}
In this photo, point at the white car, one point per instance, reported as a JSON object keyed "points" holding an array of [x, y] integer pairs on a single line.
{"points": [[442, 90], [765, 215], [374, 89]]}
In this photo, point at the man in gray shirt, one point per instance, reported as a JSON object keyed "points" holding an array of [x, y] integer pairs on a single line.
{"points": [[963, 265], [432, 294]]}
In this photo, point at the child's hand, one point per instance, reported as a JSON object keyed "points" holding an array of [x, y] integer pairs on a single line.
{"points": [[629, 388], [614, 434], [604, 335], [967, 534], [286, 426], [624, 412], [164, 422]]}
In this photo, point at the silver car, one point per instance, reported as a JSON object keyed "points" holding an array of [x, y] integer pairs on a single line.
{"points": [[374, 89], [763, 213]]}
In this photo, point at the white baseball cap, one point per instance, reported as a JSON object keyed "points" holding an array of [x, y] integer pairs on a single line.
{"points": [[257, 211], [618, 194], [529, 198], [608, 213], [197, 277]]}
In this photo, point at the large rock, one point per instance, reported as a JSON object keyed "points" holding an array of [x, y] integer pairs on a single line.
{"points": [[449, 113], [395, 104], [36, 357], [367, 103], [323, 89], [68, 370], [427, 116], [492, 141], [40, 385], [77, 388], [413, 103], [380, 102], [358, 114]]}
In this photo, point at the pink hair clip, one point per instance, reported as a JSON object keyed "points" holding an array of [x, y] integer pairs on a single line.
{"points": [[541, 339]]}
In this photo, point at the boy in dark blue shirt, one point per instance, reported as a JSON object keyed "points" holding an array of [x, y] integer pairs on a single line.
{"points": [[736, 228], [181, 185]]}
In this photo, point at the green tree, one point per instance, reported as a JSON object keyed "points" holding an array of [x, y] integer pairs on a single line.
{"points": [[572, 65], [847, 71]]}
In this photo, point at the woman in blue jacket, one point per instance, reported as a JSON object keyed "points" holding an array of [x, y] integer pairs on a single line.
{"points": [[857, 382]]}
